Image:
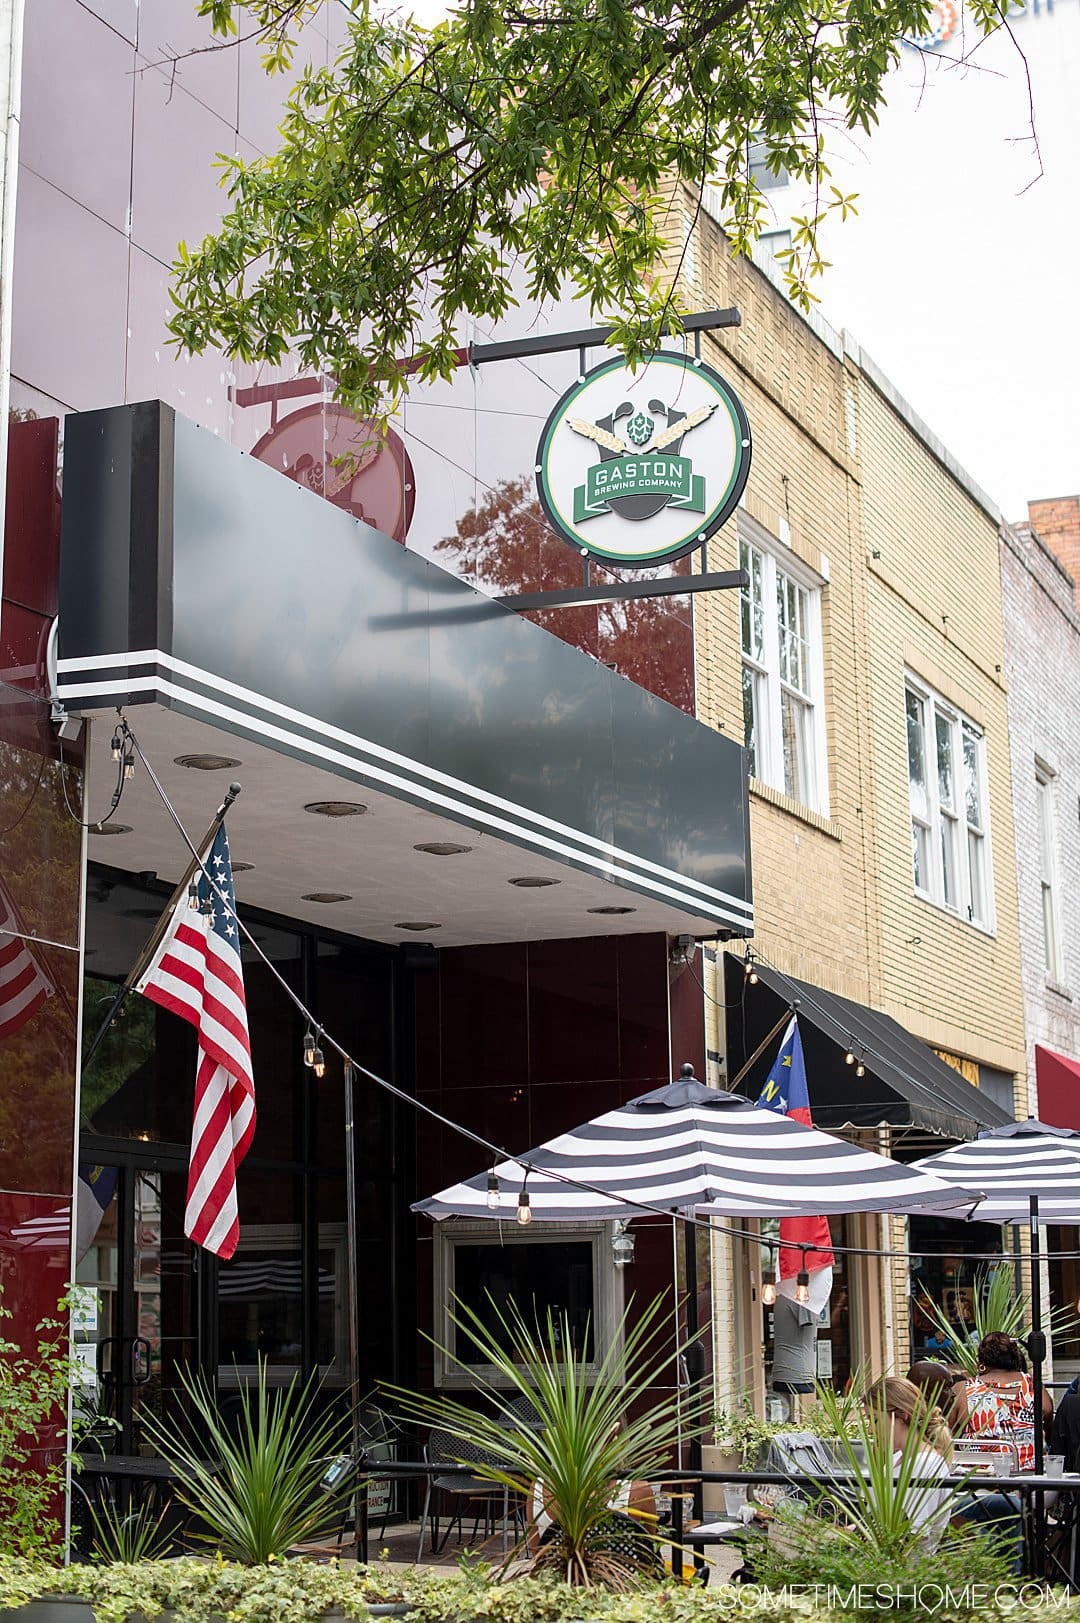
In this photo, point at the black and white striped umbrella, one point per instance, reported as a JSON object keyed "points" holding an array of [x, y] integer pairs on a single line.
{"points": [[1011, 1165], [686, 1146], [1029, 1173]]}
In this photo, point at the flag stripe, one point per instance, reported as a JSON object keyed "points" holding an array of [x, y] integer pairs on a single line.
{"points": [[24, 986], [197, 973]]}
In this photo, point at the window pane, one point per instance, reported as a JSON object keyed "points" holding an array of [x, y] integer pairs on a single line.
{"points": [[757, 589], [791, 619], [916, 750], [794, 718], [948, 861], [920, 855], [972, 784], [752, 613], [980, 912], [1049, 932], [943, 728], [750, 682]]}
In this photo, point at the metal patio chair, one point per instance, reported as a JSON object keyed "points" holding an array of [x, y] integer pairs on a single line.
{"points": [[464, 1491]]}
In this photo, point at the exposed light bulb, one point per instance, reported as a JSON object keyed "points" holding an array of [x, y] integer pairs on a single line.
{"points": [[754, 977], [849, 1058], [524, 1210], [193, 896], [492, 1191], [309, 1048], [768, 1287], [318, 1062], [860, 1069], [802, 1287], [117, 745], [129, 766]]}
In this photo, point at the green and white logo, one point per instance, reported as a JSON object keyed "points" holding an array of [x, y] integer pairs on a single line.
{"points": [[637, 467]]}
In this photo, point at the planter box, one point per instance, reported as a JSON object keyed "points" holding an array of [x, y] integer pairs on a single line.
{"points": [[72, 1609]]}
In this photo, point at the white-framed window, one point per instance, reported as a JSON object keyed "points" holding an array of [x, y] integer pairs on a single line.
{"points": [[562, 1268], [950, 831], [1048, 887], [782, 671]]}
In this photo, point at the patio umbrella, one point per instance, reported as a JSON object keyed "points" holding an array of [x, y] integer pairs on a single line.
{"points": [[684, 1147], [1029, 1173]]}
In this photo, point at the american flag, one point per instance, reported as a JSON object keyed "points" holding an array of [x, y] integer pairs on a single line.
{"points": [[197, 973], [24, 987]]}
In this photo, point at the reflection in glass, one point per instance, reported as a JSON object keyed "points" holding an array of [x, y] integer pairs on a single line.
{"points": [[504, 543], [539, 1279]]}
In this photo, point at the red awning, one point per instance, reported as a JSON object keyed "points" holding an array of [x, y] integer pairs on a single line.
{"points": [[1058, 1082]]}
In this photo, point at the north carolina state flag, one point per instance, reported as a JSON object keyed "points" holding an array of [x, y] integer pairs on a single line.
{"points": [[785, 1092]]}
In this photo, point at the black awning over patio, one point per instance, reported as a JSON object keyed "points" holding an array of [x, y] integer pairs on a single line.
{"points": [[905, 1083]]}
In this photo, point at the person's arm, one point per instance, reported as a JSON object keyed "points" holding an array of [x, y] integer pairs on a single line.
{"points": [[642, 1502]]}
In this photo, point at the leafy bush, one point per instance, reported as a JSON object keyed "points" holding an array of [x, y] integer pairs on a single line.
{"points": [[33, 1417], [303, 1592]]}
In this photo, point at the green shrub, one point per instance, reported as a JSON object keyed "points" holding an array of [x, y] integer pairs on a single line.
{"points": [[33, 1416]]}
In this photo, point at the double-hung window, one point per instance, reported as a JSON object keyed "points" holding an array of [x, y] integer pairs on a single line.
{"points": [[783, 713], [1044, 797], [950, 849]]}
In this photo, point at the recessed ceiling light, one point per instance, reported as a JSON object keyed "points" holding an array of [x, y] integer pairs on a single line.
{"points": [[533, 882], [336, 808], [206, 763], [443, 848], [242, 867], [612, 910], [110, 828], [326, 896], [417, 926]]}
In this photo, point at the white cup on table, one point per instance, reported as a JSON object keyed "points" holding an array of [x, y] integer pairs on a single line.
{"points": [[1054, 1465]]}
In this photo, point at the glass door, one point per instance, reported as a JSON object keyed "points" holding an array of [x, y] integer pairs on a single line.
{"points": [[135, 1303]]}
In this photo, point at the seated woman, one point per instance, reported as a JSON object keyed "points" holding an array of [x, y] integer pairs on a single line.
{"points": [[1001, 1403], [943, 1386], [1001, 1400], [906, 1410]]}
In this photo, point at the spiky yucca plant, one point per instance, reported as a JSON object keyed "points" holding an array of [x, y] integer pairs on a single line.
{"points": [[260, 1492], [584, 1438], [995, 1306]]}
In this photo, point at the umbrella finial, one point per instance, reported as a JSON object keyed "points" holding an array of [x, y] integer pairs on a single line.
{"points": [[687, 1071]]}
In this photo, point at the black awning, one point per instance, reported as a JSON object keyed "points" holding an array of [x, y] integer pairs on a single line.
{"points": [[905, 1084]]}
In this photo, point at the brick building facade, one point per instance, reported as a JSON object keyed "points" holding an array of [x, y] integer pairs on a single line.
{"points": [[896, 550]]}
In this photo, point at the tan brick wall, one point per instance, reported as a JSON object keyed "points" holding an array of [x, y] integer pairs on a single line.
{"points": [[934, 606], [834, 897]]}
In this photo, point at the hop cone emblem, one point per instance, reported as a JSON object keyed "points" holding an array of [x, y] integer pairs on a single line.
{"points": [[639, 428]]}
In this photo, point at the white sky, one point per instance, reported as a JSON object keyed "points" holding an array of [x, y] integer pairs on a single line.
{"points": [[961, 274]]}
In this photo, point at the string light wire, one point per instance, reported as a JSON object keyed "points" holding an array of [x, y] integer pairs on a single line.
{"points": [[646, 1208]]}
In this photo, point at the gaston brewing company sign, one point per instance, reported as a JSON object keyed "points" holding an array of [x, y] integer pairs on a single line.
{"points": [[637, 467]]}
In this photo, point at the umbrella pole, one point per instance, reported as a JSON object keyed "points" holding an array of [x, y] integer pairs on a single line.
{"points": [[352, 1264], [693, 1356], [1037, 1349]]}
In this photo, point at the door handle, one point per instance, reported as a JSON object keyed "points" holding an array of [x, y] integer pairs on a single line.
{"points": [[141, 1360]]}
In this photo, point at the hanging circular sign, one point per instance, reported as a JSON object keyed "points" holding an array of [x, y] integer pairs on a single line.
{"points": [[637, 467]]}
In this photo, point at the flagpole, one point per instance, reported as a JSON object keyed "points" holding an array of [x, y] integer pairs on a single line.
{"points": [[152, 944]]}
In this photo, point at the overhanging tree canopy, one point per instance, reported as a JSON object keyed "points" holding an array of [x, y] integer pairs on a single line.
{"points": [[425, 165]]}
